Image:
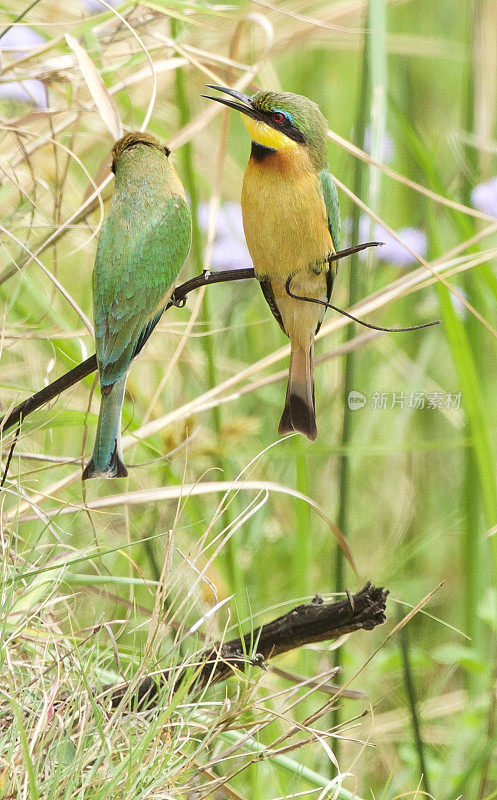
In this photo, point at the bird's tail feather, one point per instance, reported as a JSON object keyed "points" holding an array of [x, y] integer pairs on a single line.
{"points": [[299, 413], [106, 460]]}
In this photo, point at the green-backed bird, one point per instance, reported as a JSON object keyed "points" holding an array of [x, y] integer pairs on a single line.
{"points": [[142, 246], [291, 219]]}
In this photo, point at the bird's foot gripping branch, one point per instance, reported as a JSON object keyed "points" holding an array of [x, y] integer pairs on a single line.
{"points": [[307, 623]]}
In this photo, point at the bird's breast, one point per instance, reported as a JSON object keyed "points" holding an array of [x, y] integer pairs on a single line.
{"points": [[284, 214]]}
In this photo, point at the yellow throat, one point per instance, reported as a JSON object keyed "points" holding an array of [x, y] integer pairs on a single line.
{"points": [[267, 136]]}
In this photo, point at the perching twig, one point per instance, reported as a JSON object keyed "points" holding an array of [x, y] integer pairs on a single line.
{"points": [[310, 622], [9, 457], [178, 298]]}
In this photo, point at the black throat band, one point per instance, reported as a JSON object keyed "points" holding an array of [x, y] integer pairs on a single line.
{"points": [[259, 151]]}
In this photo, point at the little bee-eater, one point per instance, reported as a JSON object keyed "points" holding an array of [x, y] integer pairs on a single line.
{"points": [[291, 219], [142, 246]]}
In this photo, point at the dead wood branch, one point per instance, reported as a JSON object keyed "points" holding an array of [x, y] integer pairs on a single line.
{"points": [[304, 624]]}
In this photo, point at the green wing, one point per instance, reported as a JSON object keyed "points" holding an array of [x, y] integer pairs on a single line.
{"points": [[334, 222], [332, 207], [138, 260]]}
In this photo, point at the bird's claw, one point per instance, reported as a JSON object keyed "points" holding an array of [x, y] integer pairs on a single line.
{"points": [[179, 302], [258, 661]]}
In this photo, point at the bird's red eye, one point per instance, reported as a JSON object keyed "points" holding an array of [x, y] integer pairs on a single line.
{"points": [[278, 117]]}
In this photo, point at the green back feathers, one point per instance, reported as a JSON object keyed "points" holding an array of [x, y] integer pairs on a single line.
{"points": [[142, 246]]}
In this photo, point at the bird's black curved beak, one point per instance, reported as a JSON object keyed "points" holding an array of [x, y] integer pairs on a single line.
{"points": [[245, 104]]}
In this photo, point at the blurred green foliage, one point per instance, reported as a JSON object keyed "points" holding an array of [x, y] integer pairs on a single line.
{"points": [[422, 481]]}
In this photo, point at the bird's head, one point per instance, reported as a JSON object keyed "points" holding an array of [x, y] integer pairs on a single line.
{"points": [[280, 120], [131, 141]]}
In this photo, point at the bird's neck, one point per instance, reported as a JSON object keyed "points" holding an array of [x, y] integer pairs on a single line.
{"points": [[286, 164], [151, 172]]}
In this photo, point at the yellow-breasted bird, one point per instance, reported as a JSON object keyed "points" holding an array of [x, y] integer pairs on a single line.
{"points": [[291, 219], [142, 246]]}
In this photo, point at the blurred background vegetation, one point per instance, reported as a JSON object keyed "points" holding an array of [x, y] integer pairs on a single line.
{"points": [[106, 579]]}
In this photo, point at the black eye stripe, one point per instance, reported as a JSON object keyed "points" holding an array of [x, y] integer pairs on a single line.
{"points": [[285, 126]]}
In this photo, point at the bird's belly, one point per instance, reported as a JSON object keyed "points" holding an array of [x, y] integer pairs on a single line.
{"points": [[300, 318], [286, 229]]}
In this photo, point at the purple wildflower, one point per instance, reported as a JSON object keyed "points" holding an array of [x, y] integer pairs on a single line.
{"points": [[484, 197], [19, 40], [387, 147], [458, 306], [95, 7], [28, 91], [392, 251], [229, 250]]}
